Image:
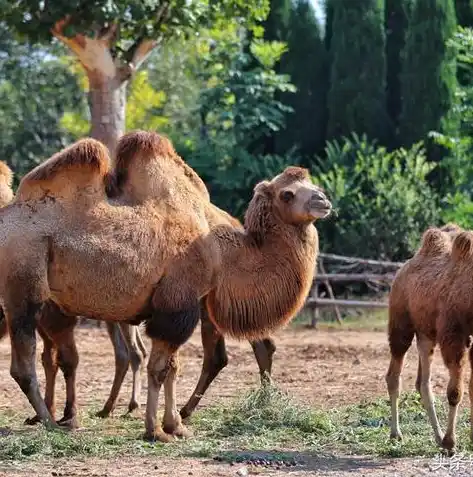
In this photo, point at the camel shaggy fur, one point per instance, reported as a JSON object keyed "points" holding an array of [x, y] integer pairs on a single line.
{"points": [[414, 310], [150, 255]]}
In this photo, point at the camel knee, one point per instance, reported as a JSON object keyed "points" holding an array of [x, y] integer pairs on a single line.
{"points": [[393, 379], [454, 395], [22, 378], [270, 346], [220, 358], [136, 359], [68, 362], [173, 327]]}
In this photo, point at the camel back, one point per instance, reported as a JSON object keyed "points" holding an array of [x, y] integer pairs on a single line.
{"points": [[84, 164], [150, 148]]}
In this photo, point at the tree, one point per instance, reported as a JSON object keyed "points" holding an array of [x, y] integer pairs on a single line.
{"points": [[357, 99], [276, 26], [429, 78], [35, 89], [112, 39], [464, 10], [306, 64], [396, 22]]}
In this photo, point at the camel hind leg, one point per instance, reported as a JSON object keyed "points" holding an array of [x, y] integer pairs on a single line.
{"points": [[21, 319], [426, 352], [453, 347], [137, 353], [400, 334], [122, 361]]}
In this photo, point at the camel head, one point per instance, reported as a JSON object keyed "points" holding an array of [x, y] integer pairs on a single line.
{"points": [[294, 198]]}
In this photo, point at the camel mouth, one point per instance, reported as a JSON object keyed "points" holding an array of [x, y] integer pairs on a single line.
{"points": [[320, 209]]}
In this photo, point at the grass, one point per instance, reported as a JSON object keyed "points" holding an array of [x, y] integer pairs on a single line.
{"points": [[368, 321], [265, 420]]}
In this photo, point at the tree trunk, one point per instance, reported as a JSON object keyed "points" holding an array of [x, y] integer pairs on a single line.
{"points": [[107, 101]]}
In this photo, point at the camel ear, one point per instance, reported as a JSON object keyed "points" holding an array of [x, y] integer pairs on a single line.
{"points": [[263, 188]]}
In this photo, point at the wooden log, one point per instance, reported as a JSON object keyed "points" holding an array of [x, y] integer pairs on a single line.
{"points": [[364, 261], [354, 277], [330, 292], [314, 294], [319, 302]]}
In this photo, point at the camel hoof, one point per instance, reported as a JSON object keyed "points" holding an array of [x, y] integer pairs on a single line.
{"points": [[396, 435], [180, 431], [159, 436], [31, 421], [133, 409], [104, 413], [448, 443], [70, 423]]}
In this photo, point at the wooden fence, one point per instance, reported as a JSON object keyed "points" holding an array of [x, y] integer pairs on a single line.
{"points": [[375, 273]]}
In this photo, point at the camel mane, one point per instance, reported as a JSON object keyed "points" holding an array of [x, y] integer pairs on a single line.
{"points": [[148, 146], [6, 174], [462, 247], [87, 156], [435, 242]]}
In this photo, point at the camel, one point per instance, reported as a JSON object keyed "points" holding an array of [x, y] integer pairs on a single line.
{"points": [[149, 255], [414, 310], [129, 349], [455, 327]]}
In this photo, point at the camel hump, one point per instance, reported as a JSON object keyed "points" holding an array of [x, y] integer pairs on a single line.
{"points": [[435, 242], [82, 164], [6, 174], [462, 247], [150, 146], [452, 229]]}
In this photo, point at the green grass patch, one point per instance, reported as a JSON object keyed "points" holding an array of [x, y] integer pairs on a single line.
{"points": [[265, 420], [376, 320]]}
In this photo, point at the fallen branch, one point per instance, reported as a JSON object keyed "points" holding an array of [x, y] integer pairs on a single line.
{"points": [[317, 302], [363, 261]]}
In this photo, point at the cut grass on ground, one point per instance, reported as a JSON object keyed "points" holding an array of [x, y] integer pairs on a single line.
{"points": [[368, 321], [266, 420]]}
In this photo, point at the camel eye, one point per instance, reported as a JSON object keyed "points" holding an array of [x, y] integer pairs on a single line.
{"points": [[287, 196]]}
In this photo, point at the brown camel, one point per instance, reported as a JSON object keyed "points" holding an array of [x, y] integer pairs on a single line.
{"points": [[129, 348], [455, 327], [414, 310], [149, 255]]}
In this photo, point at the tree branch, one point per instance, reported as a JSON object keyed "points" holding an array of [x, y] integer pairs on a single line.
{"points": [[143, 46], [93, 53]]}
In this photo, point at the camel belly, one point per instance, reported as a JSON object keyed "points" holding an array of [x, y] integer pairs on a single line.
{"points": [[101, 280]]}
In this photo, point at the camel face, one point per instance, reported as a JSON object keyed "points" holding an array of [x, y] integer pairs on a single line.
{"points": [[297, 200]]}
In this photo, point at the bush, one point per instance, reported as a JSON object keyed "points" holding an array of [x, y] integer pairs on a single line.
{"points": [[383, 200]]}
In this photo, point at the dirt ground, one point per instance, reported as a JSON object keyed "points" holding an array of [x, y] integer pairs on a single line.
{"points": [[323, 368]]}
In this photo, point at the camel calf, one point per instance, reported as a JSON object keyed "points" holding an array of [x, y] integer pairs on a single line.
{"points": [[414, 310]]}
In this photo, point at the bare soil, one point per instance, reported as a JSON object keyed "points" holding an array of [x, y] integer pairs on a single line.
{"points": [[323, 368]]}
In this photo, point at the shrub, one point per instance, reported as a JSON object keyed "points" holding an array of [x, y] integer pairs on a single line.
{"points": [[383, 200]]}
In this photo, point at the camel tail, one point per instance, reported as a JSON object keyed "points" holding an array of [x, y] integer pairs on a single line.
{"points": [[435, 242], [80, 165], [462, 247]]}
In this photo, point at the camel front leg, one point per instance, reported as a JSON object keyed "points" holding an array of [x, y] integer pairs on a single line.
{"points": [[264, 350], [159, 365], [21, 320], [172, 421], [215, 359]]}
